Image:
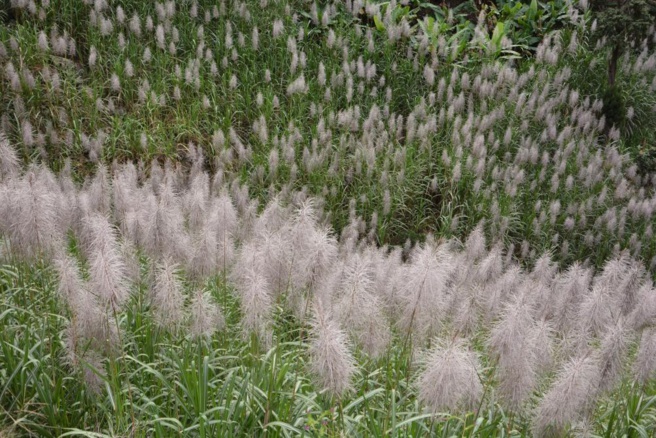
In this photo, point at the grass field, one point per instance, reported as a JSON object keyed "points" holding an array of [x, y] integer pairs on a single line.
{"points": [[290, 218]]}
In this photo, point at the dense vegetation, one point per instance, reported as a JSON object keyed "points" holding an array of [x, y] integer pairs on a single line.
{"points": [[326, 219]]}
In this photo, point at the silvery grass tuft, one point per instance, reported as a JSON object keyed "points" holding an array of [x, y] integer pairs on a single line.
{"points": [[331, 361], [387, 267], [307, 251], [167, 295], [188, 228], [205, 256], [570, 397], [570, 287], [358, 309], [90, 322], [10, 165], [644, 314], [31, 215], [423, 290], [512, 343], [223, 217], [126, 192], [251, 281], [499, 291], [450, 381], [166, 235], [73, 289], [106, 265], [99, 192], [257, 307], [205, 316], [644, 367], [475, 244], [612, 354], [91, 332], [196, 200]]}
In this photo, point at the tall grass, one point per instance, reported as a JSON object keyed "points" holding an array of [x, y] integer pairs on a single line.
{"points": [[289, 218]]}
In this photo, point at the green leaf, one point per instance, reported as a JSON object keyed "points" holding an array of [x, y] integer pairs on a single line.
{"points": [[283, 425], [364, 397], [410, 420], [533, 10], [379, 24], [498, 34]]}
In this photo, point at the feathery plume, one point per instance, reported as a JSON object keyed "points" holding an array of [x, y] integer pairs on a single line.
{"points": [[423, 290], [272, 219], [512, 342], [100, 191], [570, 397], [620, 280], [167, 296], [450, 382], [9, 161], [612, 353], [542, 339], [270, 254], [205, 316], [90, 363], [310, 251], [125, 192], [316, 256], [106, 266], [644, 368], [204, 261], [497, 293], [256, 305], [359, 310], [223, 219], [32, 217], [197, 200], [165, 234], [71, 286], [136, 224], [91, 329], [544, 270], [597, 311], [387, 273], [475, 244], [570, 288], [331, 361], [644, 314], [128, 252], [491, 266], [466, 314], [88, 319]]}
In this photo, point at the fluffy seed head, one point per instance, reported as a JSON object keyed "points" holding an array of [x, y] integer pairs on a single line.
{"points": [[423, 289], [106, 266], [569, 398], [256, 305], [512, 342], [167, 295], [32, 216], [331, 361], [450, 382], [9, 161], [644, 368], [612, 354], [205, 316], [359, 310]]}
